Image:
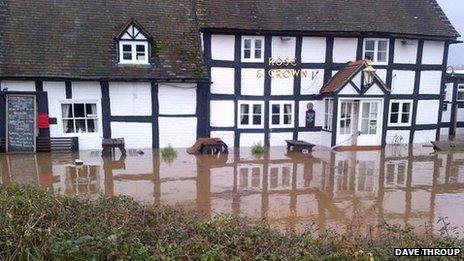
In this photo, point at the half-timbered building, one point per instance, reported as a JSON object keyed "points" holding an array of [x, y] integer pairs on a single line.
{"points": [[333, 73]]}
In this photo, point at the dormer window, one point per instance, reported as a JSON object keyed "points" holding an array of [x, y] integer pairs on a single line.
{"points": [[133, 47]]}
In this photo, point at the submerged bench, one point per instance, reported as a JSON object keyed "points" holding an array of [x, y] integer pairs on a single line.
{"points": [[208, 146], [109, 146], [299, 146]]}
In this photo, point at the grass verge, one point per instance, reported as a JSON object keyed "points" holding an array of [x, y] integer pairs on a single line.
{"points": [[35, 224]]}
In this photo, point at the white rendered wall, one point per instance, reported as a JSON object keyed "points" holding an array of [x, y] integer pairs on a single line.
{"points": [[433, 52], [357, 79], [326, 139], [444, 133], [460, 114], [222, 113], [283, 49], [311, 137], [382, 73], [251, 83], [278, 138], [177, 98], [374, 90], [130, 98], [313, 50], [430, 82], [222, 80], [344, 50], [19, 86], [86, 91], [249, 139], [424, 136], [226, 136], [56, 92], [400, 136], [405, 53], [318, 107], [403, 82], [281, 85], [348, 89], [222, 47], [446, 115], [427, 111], [180, 132], [136, 135], [449, 92], [313, 82]]}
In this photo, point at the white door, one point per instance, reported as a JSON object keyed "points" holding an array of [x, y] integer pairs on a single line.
{"points": [[370, 123], [345, 123]]}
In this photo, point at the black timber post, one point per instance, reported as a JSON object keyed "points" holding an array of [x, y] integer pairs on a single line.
{"points": [[106, 110], [155, 114], [202, 110], [42, 105]]}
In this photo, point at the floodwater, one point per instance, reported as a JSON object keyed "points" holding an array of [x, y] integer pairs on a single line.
{"points": [[400, 184]]}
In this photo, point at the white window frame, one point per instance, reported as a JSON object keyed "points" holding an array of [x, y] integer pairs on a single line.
{"points": [[346, 117], [72, 102], [252, 49], [400, 113], [133, 45], [282, 104], [328, 114], [459, 89], [375, 59], [250, 103]]}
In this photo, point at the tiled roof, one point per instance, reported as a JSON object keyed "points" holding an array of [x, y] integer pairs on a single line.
{"points": [[412, 17], [76, 39], [342, 77]]}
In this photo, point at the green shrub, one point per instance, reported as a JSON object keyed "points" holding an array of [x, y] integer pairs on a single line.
{"points": [[168, 152], [258, 148], [37, 225]]}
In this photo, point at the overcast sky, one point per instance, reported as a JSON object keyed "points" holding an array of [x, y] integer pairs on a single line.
{"points": [[454, 9]]}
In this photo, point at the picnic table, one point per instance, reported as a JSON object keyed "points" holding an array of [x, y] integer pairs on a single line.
{"points": [[299, 146], [109, 146]]}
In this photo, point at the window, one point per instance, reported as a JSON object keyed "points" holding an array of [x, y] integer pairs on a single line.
{"points": [[281, 114], [135, 52], [79, 117], [400, 113], [369, 117], [252, 48], [460, 92], [328, 112], [345, 117], [376, 50], [250, 114], [133, 46]]}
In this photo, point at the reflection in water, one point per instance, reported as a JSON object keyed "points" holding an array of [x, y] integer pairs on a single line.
{"points": [[400, 185]]}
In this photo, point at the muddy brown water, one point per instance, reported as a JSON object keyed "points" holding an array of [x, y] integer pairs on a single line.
{"points": [[400, 184]]}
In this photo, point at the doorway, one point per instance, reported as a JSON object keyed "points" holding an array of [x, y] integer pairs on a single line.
{"points": [[359, 122]]}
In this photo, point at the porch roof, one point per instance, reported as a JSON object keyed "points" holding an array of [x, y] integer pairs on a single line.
{"points": [[347, 77], [342, 77]]}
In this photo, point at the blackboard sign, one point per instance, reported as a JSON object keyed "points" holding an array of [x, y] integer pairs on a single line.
{"points": [[21, 122]]}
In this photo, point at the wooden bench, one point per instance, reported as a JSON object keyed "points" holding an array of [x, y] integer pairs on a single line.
{"points": [[299, 146], [109, 146], [57, 144], [214, 147]]}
